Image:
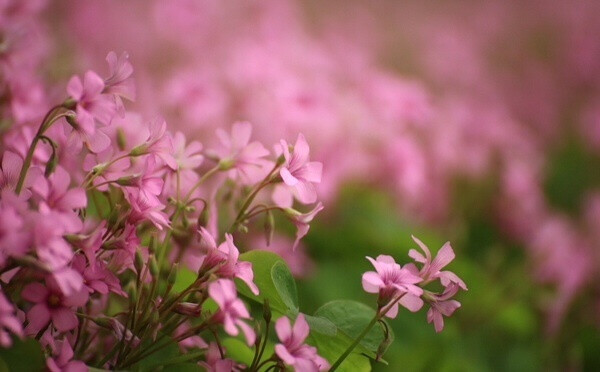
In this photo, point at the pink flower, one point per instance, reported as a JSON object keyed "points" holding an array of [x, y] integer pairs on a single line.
{"points": [[158, 143], [14, 234], [302, 220], [431, 269], [97, 277], [242, 157], [187, 157], [442, 305], [50, 246], [232, 311], [298, 173], [225, 259], [142, 192], [50, 305], [92, 105], [119, 83], [57, 195], [8, 322], [9, 172], [63, 362], [293, 351], [390, 281], [215, 363]]}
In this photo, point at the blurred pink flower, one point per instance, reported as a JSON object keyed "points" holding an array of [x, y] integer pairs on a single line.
{"points": [[232, 309], [63, 361], [242, 157], [298, 173], [92, 105], [8, 322], [223, 260], [442, 305], [215, 363], [292, 349]]}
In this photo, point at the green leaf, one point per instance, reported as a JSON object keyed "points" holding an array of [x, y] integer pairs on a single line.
{"points": [[285, 285], [156, 359], [23, 356], [183, 367], [185, 277], [238, 350], [351, 318], [270, 269], [321, 325], [331, 347]]}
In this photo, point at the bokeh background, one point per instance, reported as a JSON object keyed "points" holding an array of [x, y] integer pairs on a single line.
{"points": [[476, 122]]}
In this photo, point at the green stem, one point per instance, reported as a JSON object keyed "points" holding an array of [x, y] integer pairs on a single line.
{"points": [[46, 123]]}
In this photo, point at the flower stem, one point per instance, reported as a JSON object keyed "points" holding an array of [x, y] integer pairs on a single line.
{"points": [[46, 123]]}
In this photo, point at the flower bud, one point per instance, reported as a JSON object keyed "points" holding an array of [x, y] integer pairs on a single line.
{"points": [[139, 262], [128, 180], [267, 311], [154, 270], [121, 139], [226, 164], [139, 150], [172, 278], [51, 164], [188, 309]]}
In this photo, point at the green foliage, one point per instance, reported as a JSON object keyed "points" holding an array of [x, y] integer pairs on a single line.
{"points": [[351, 318], [185, 277], [274, 280], [23, 356]]}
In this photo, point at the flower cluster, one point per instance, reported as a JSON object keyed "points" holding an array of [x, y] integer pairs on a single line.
{"points": [[397, 285], [119, 239]]}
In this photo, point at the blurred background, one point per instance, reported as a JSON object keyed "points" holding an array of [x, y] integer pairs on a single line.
{"points": [[476, 122]]}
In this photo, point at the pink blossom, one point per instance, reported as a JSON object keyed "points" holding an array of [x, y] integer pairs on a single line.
{"points": [[292, 349], [97, 277], [92, 105], [14, 234], [390, 281], [9, 173], [232, 311], [63, 362], [298, 173], [242, 157], [215, 363], [50, 305], [61, 199], [158, 143], [142, 191], [225, 259], [431, 269], [119, 83], [301, 221], [187, 157], [442, 305], [8, 322], [50, 246]]}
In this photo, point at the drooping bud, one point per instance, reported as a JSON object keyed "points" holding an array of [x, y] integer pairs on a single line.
{"points": [[154, 270], [172, 278], [121, 139], [139, 262], [267, 311]]}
